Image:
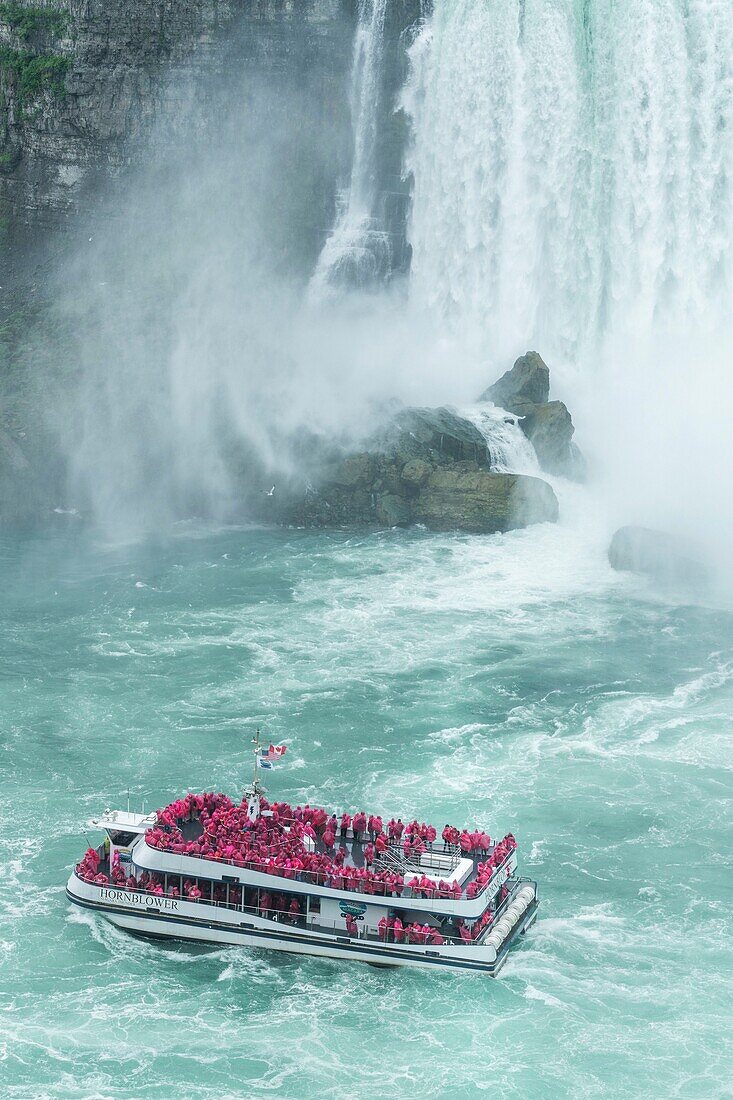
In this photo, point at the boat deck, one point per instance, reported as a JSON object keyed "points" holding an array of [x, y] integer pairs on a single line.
{"points": [[440, 860]]}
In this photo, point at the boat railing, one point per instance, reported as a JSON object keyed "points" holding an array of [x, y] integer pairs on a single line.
{"points": [[444, 861], [325, 879], [300, 920]]}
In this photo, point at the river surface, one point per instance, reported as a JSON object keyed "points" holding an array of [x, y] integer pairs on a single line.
{"points": [[513, 681]]}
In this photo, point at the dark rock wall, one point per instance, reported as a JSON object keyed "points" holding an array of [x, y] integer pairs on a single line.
{"points": [[110, 79], [61, 142], [428, 466], [138, 73], [403, 19]]}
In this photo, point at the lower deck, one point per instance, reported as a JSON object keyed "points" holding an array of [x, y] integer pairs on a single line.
{"points": [[176, 919], [315, 913]]}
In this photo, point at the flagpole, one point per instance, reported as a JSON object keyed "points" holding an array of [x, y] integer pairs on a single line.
{"points": [[256, 743], [254, 792]]}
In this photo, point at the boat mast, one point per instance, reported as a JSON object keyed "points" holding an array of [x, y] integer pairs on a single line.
{"points": [[256, 789]]}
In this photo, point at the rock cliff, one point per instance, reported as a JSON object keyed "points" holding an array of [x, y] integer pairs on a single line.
{"points": [[525, 391], [428, 466], [90, 87], [96, 92]]}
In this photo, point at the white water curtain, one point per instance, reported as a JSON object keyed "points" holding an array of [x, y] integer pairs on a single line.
{"points": [[572, 165]]}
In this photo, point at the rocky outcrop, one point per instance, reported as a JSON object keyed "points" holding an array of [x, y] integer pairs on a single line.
{"points": [[657, 554], [550, 430], [89, 88], [523, 387], [427, 466], [470, 499], [525, 390]]}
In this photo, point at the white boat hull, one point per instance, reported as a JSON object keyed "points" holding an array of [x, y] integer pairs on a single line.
{"points": [[200, 922]]}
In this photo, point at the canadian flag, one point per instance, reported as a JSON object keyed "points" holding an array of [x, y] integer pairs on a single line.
{"points": [[274, 752]]}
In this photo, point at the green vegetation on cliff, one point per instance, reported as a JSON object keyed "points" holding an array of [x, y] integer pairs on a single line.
{"points": [[33, 73], [27, 22]]}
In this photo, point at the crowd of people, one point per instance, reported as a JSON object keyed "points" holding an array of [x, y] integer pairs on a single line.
{"points": [[281, 907], [308, 844]]}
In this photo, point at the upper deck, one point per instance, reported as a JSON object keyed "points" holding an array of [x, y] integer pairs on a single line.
{"points": [[209, 837], [125, 821]]}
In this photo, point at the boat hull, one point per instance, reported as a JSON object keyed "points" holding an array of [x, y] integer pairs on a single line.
{"points": [[185, 921]]}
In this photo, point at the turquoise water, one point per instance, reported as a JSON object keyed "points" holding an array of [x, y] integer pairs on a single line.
{"points": [[513, 681]]}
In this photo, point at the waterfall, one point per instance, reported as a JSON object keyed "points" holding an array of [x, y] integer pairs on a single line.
{"points": [[510, 451], [357, 252], [573, 168], [572, 191]]}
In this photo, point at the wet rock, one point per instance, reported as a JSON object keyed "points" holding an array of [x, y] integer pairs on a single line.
{"points": [[416, 472], [427, 466], [393, 511], [524, 391], [355, 471], [434, 435], [482, 501], [527, 384], [550, 430], [658, 554]]}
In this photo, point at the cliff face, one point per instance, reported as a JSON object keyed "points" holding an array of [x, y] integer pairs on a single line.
{"points": [[97, 95], [87, 85], [82, 83]]}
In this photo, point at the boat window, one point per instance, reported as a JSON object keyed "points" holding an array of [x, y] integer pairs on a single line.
{"points": [[122, 840]]}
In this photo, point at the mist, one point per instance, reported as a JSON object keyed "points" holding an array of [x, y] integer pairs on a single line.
{"points": [[573, 193], [571, 187]]}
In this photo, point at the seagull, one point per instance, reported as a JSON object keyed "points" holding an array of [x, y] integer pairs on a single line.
{"points": [[269, 492]]}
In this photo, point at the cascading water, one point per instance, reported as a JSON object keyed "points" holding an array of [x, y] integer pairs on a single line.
{"points": [[357, 253], [573, 166], [572, 172], [510, 451]]}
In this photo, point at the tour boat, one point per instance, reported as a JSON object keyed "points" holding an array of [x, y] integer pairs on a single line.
{"points": [[298, 879]]}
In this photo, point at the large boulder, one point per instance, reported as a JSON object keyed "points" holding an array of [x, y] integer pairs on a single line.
{"points": [[434, 435], [524, 391], [355, 471], [393, 511], [527, 384], [415, 474], [550, 430], [427, 466], [483, 501], [657, 554]]}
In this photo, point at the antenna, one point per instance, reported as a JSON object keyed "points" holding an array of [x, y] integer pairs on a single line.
{"points": [[128, 800], [256, 785]]}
